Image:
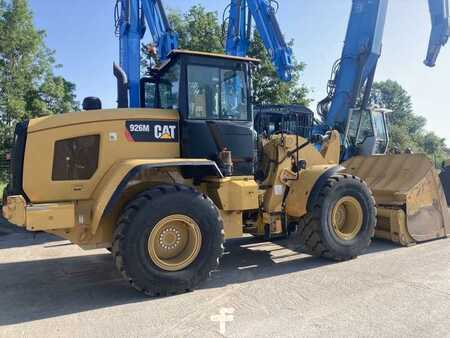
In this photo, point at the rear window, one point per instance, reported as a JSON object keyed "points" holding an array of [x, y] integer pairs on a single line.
{"points": [[76, 158]]}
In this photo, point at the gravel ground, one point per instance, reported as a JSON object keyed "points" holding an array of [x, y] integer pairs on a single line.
{"points": [[52, 288]]}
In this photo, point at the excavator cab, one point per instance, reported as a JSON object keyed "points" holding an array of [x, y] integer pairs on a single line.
{"points": [[213, 96], [368, 131]]}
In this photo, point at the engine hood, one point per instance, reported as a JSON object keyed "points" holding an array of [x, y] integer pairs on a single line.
{"points": [[91, 116]]}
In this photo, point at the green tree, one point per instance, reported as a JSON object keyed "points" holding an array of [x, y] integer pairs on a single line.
{"points": [[28, 86], [268, 87], [407, 129], [200, 30]]}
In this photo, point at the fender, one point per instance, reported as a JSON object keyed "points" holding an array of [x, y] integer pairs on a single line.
{"points": [[314, 196], [114, 183]]}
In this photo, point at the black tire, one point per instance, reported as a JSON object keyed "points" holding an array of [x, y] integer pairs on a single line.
{"points": [[130, 244], [316, 235]]}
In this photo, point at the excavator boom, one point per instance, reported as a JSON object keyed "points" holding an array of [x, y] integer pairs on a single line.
{"points": [[440, 31]]}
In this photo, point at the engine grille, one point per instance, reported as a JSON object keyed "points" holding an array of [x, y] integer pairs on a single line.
{"points": [[17, 159]]}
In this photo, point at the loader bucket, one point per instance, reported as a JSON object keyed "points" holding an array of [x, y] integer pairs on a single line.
{"points": [[445, 180], [410, 199]]}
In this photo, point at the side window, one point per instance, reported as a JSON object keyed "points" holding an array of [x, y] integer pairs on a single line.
{"points": [[76, 158], [170, 87], [353, 126]]}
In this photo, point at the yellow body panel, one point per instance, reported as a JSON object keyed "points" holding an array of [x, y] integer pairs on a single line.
{"points": [[300, 190], [277, 152], [108, 185], [50, 216], [114, 147], [331, 150], [232, 224], [233, 193], [92, 116]]}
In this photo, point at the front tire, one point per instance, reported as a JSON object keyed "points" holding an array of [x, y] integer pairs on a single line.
{"points": [[168, 240], [342, 222]]}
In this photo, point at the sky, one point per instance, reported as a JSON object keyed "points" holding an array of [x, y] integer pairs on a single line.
{"points": [[82, 34]]}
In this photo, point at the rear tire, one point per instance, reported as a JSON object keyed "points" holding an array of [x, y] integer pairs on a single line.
{"points": [[342, 223], [168, 240]]}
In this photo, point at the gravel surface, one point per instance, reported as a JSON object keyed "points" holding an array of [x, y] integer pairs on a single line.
{"points": [[52, 288]]}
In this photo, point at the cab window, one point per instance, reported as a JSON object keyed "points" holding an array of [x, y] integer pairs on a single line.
{"points": [[164, 91], [366, 127], [217, 94], [169, 87], [150, 95]]}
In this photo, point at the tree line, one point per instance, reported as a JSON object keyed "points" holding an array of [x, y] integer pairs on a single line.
{"points": [[28, 85]]}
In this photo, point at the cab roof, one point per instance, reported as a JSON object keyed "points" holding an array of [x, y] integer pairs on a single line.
{"points": [[177, 52], [213, 55]]}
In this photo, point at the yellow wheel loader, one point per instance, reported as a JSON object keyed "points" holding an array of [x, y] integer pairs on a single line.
{"points": [[165, 185]]}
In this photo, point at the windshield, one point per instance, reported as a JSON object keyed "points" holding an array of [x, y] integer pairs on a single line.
{"points": [[217, 94]]}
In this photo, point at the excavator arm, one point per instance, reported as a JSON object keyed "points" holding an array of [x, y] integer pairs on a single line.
{"points": [[242, 13], [131, 17], [354, 72], [440, 32]]}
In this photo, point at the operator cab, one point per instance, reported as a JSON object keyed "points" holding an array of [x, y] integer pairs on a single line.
{"points": [[212, 93], [368, 132]]}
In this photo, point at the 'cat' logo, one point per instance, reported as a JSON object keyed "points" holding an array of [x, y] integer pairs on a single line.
{"points": [[152, 131], [165, 132]]}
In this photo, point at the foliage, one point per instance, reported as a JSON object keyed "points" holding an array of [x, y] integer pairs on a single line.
{"points": [[200, 30], [267, 86], [28, 86], [407, 128]]}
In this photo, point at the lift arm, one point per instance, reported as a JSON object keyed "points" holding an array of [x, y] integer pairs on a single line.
{"points": [[239, 33], [131, 17], [355, 70]]}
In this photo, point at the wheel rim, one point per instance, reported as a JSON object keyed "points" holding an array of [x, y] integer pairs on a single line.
{"points": [[175, 242], [347, 218]]}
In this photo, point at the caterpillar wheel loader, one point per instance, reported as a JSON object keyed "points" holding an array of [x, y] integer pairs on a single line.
{"points": [[164, 187], [164, 183]]}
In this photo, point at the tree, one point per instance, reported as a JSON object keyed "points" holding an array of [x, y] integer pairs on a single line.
{"points": [[407, 129], [28, 87], [200, 30], [268, 87]]}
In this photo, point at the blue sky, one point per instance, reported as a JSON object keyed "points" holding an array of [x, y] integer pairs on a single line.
{"points": [[82, 34]]}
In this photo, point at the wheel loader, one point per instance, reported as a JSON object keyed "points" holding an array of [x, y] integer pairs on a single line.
{"points": [[163, 186]]}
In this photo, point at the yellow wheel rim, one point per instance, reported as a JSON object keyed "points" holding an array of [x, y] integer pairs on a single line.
{"points": [[347, 218], [175, 242]]}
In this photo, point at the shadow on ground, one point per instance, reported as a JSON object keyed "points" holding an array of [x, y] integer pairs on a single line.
{"points": [[49, 288]]}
